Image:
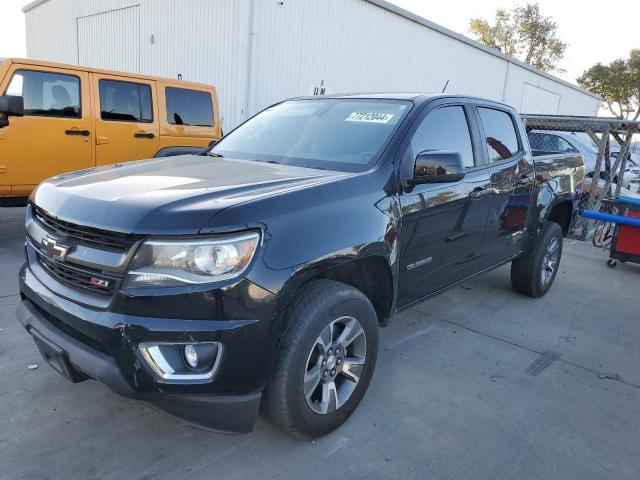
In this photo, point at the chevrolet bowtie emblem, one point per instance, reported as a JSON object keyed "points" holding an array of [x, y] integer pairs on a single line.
{"points": [[54, 249]]}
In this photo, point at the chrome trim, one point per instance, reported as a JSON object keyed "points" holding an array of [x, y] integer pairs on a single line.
{"points": [[84, 255], [158, 363]]}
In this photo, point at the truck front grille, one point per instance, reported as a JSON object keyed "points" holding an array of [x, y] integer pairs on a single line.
{"points": [[94, 282], [87, 235]]}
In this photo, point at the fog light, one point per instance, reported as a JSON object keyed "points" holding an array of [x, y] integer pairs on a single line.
{"points": [[191, 356], [182, 362]]}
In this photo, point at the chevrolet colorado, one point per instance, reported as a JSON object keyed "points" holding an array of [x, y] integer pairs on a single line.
{"points": [[253, 277]]}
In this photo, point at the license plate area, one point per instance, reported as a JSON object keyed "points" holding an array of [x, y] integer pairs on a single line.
{"points": [[56, 357]]}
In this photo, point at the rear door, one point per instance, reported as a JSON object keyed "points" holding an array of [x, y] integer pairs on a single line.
{"points": [[127, 119], [443, 224], [55, 134], [512, 181]]}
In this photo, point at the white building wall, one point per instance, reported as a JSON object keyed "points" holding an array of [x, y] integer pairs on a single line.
{"points": [[257, 52]]}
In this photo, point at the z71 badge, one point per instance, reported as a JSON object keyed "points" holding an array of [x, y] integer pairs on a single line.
{"points": [[99, 282]]}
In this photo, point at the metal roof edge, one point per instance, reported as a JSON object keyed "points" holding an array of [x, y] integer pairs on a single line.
{"points": [[32, 5], [461, 38]]}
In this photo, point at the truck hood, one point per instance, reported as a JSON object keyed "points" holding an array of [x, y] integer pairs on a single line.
{"points": [[173, 195]]}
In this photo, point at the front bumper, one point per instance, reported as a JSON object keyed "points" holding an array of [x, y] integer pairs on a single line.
{"points": [[82, 343]]}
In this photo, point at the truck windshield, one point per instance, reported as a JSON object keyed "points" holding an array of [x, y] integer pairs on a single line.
{"points": [[331, 134]]}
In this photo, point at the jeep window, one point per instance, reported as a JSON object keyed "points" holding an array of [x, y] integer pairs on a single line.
{"points": [[47, 94], [445, 128], [500, 133], [125, 101], [332, 134], [189, 107]]}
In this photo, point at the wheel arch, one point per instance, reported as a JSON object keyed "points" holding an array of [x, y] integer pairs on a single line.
{"points": [[372, 275], [561, 212]]}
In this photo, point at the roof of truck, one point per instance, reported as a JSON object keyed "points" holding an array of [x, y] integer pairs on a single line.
{"points": [[410, 96], [41, 63]]}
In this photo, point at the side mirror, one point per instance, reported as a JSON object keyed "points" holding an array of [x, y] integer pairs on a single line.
{"points": [[437, 166], [12, 105]]}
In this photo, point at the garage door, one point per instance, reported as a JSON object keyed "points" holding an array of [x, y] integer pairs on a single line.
{"points": [[539, 100], [110, 40]]}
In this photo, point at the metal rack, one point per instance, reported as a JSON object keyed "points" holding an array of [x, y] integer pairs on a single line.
{"points": [[602, 131]]}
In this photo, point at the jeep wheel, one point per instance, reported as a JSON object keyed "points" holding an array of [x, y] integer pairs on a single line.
{"points": [[534, 274], [325, 361]]}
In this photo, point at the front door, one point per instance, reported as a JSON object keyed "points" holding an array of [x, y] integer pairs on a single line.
{"points": [[442, 224], [127, 120], [54, 136], [512, 181]]}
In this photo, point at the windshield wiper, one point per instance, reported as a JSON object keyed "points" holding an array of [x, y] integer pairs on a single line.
{"points": [[213, 154]]}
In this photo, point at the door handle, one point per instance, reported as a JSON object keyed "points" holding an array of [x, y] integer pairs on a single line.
{"points": [[144, 135], [524, 180], [84, 133], [478, 192]]}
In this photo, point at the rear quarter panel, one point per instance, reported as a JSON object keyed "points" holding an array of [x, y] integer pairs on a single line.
{"points": [[560, 178]]}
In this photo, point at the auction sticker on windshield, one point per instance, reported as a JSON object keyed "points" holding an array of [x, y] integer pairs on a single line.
{"points": [[369, 117]]}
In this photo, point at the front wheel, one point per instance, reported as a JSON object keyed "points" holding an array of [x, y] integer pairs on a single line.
{"points": [[534, 273], [325, 361]]}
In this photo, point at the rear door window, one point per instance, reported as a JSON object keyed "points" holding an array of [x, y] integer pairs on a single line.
{"points": [[125, 101], [500, 134], [189, 107], [47, 94]]}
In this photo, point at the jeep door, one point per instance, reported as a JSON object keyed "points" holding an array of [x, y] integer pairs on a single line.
{"points": [[127, 118], [442, 224], [54, 135]]}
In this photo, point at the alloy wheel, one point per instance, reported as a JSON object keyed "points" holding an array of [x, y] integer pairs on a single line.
{"points": [[550, 261], [335, 365]]}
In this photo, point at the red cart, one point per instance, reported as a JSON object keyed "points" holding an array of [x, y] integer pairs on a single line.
{"points": [[624, 213]]}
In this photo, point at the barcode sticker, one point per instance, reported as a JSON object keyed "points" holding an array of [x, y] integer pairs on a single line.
{"points": [[366, 117]]}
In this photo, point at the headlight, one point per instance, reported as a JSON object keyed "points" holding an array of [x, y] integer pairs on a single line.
{"points": [[164, 263]]}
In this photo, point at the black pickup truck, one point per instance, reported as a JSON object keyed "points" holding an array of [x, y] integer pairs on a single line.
{"points": [[254, 277]]}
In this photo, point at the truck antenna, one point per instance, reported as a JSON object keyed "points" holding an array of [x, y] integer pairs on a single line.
{"points": [[445, 85]]}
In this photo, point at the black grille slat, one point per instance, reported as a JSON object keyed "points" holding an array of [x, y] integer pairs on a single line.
{"points": [[78, 278], [88, 235]]}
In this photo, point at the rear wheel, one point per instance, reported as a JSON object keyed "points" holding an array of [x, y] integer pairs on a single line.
{"points": [[534, 274], [325, 362]]}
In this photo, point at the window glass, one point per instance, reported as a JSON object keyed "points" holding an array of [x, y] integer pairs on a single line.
{"points": [[47, 94], [564, 146], [543, 142], [445, 128], [333, 134], [125, 101], [548, 142], [189, 107], [500, 133]]}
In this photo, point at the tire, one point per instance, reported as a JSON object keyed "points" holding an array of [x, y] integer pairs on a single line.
{"points": [[534, 273], [324, 309]]}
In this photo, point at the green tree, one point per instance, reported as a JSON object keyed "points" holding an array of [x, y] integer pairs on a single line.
{"points": [[618, 84], [523, 33]]}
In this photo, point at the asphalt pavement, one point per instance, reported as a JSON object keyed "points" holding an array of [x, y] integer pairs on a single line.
{"points": [[477, 383]]}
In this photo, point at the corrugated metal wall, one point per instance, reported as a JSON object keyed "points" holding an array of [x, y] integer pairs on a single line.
{"points": [[257, 52], [202, 40], [122, 27]]}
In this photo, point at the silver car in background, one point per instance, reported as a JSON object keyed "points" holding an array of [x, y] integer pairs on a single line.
{"points": [[553, 141]]}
